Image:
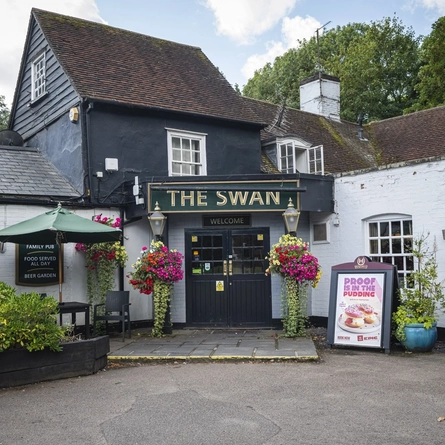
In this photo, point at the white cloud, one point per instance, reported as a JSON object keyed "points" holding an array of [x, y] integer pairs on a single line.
{"points": [[256, 61], [299, 28], [292, 31], [438, 5], [15, 18], [242, 20]]}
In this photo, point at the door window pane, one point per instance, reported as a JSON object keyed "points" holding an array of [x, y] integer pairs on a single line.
{"points": [[248, 254], [207, 255]]}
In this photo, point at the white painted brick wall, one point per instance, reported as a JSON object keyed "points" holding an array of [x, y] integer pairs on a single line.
{"points": [[416, 190]]}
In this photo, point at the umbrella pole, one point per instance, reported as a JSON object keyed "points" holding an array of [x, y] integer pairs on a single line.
{"points": [[60, 268], [60, 279]]}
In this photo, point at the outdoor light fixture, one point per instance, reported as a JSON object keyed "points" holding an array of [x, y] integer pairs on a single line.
{"points": [[291, 217], [157, 221]]}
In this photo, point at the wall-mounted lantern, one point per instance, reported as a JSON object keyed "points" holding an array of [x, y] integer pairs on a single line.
{"points": [[157, 221], [291, 217]]}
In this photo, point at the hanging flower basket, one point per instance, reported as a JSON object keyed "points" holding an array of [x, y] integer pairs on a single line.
{"points": [[155, 271], [102, 259], [291, 259]]}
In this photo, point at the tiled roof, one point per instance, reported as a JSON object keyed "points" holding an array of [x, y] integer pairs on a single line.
{"points": [[343, 150], [24, 172], [410, 137], [113, 64], [405, 138], [267, 166]]}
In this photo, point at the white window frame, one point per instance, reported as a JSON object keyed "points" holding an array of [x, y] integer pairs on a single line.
{"points": [[184, 134], [303, 157], [38, 77], [385, 246], [315, 160]]}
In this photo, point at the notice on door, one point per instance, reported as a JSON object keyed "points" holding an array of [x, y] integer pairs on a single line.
{"points": [[37, 264], [220, 286]]}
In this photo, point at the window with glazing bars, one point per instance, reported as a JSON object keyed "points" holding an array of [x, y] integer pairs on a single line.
{"points": [[187, 154], [38, 77], [392, 242]]}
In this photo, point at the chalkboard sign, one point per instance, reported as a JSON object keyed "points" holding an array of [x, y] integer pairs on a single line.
{"points": [[37, 264], [360, 304]]}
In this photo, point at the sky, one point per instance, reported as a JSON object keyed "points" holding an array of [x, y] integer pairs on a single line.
{"points": [[238, 36]]}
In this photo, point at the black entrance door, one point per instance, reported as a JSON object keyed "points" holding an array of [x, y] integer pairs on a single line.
{"points": [[226, 283]]}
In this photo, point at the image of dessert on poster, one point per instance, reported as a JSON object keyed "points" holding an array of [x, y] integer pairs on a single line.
{"points": [[359, 309]]}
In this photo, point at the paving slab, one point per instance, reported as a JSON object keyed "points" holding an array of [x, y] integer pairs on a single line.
{"points": [[212, 344]]}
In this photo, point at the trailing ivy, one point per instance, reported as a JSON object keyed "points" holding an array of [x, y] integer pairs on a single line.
{"points": [[162, 293], [102, 259], [294, 308]]}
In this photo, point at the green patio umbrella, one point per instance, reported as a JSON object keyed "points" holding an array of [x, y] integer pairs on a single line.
{"points": [[60, 226]]}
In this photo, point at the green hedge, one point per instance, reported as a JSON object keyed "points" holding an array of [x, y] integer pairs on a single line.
{"points": [[28, 321]]}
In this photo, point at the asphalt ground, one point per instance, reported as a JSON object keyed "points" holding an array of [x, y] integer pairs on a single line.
{"points": [[346, 396]]}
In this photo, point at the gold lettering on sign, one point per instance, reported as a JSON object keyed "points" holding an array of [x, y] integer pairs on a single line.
{"points": [[223, 201], [201, 198], [275, 196], [234, 198], [190, 197], [238, 195], [256, 197], [172, 196]]}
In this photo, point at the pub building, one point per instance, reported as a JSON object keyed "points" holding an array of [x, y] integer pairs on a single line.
{"points": [[102, 127], [225, 230]]}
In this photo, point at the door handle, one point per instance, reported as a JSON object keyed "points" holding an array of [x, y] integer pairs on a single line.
{"points": [[230, 267], [225, 267]]}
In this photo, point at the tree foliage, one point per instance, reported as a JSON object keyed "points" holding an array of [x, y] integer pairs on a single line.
{"points": [[377, 64], [4, 114], [431, 85]]}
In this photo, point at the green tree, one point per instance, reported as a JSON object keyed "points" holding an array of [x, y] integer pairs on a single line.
{"points": [[377, 64], [431, 86], [379, 71], [4, 114]]}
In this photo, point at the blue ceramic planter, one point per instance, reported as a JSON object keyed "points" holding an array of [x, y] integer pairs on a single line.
{"points": [[419, 339]]}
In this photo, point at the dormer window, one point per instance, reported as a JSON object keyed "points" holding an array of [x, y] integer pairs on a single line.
{"points": [[295, 156], [38, 88]]}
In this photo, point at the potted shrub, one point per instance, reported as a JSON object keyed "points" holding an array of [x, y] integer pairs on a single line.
{"points": [[421, 300], [28, 321], [34, 347]]}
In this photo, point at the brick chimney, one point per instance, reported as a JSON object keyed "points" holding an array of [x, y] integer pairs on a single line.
{"points": [[320, 94]]}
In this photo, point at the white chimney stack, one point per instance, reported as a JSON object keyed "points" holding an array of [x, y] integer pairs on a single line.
{"points": [[320, 94]]}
